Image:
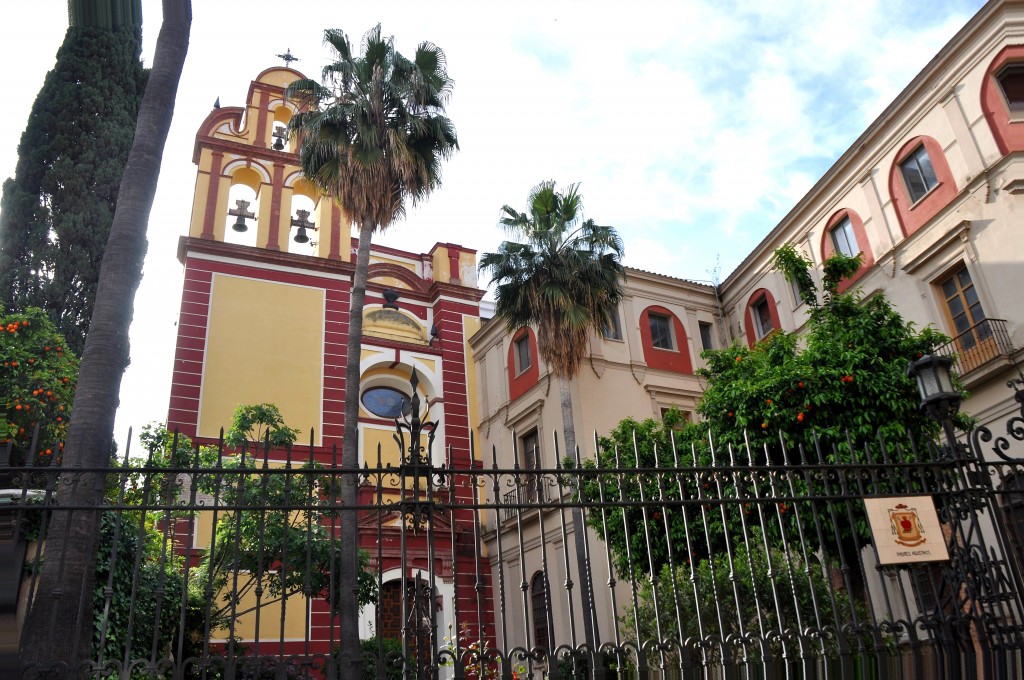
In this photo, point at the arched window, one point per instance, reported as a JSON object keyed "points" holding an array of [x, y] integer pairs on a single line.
{"points": [[1002, 98], [664, 340], [920, 183], [844, 233], [762, 318], [243, 211], [540, 610]]}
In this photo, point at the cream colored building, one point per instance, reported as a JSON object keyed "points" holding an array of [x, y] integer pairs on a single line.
{"points": [[640, 368], [930, 196]]}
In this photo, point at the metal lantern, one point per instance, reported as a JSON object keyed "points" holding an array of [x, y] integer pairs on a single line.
{"points": [[939, 398]]}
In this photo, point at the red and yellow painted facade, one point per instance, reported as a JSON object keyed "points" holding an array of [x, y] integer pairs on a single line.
{"points": [[261, 324]]}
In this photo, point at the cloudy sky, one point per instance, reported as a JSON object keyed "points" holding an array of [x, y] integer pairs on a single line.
{"points": [[693, 126]]}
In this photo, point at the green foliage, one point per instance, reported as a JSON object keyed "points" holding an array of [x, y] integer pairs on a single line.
{"points": [[842, 381], [565, 277], [835, 269], [146, 591], [38, 374], [259, 423], [389, 650], [849, 377], [797, 268], [734, 594], [635, 551], [374, 132], [105, 13], [287, 553], [56, 212], [284, 553]]}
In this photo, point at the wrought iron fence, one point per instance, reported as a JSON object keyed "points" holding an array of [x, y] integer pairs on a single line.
{"points": [[725, 563]]}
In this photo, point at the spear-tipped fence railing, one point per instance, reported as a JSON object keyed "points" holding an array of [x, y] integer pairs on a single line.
{"points": [[716, 562]]}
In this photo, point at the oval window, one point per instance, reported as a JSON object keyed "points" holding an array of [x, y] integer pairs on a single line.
{"points": [[385, 402]]}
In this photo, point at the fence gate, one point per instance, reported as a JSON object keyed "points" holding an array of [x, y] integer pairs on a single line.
{"points": [[713, 561]]}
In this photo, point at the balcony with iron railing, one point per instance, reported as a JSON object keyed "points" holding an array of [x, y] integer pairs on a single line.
{"points": [[531, 492], [979, 346]]}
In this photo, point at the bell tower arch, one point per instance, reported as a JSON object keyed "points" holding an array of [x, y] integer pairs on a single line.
{"points": [[243, 153]]}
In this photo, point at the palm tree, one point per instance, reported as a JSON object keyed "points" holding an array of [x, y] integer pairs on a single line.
{"points": [[372, 136], [566, 280], [60, 628]]}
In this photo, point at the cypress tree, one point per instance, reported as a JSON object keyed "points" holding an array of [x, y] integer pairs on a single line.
{"points": [[55, 214]]}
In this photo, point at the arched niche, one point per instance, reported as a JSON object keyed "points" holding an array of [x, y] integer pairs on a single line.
{"points": [[281, 113], [384, 369], [302, 211], [244, 181]]}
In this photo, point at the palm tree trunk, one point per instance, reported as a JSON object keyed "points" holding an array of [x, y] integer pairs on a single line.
{"points": [[348, 567], [59, 627], [578, 525]]}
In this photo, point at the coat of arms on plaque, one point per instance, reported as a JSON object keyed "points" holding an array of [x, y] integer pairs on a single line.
{"points": [[906, 525]]}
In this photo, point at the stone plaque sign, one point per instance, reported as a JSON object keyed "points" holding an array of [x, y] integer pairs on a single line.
{"points": [[906, 529]]}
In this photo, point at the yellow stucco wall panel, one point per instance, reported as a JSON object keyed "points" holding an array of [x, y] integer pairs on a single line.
{"points": [[295, 624], [221, 211], [442, 269], [279, 77], [264, 344], [384, 437], [199, 204]]}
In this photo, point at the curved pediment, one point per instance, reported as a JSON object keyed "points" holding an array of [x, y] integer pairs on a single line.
{"points": [[393, 276]]}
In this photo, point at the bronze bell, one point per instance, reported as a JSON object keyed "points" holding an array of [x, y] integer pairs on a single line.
{"points": [[240, 225], [278, 144], [300, 236]]}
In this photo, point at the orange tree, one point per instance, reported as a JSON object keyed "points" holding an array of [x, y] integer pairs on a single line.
{"points": [[845, 375], [37, 384], [843, 379]]}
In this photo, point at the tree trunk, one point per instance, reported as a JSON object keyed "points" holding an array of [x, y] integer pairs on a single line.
{"points": [[348, 567], [578, 525], [59, 627]]}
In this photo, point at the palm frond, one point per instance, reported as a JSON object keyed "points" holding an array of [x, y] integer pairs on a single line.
{"points": [[374, 134], [565, 278]]}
